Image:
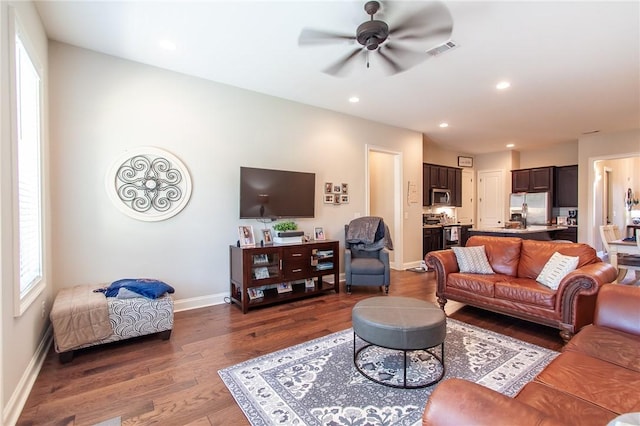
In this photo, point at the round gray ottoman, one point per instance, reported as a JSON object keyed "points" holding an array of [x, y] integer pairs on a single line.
{"points": [[400, 323]]}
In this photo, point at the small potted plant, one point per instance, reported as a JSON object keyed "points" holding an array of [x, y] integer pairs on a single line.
{"points": [[283, 227]]}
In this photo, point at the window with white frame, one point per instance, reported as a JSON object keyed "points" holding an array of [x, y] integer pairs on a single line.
{"points": [[28, 164]]}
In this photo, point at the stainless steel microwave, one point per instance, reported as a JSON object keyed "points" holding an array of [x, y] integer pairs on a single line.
{"points": [[440, 197]]}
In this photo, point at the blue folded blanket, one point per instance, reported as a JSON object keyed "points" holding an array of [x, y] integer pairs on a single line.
{"points": [[145, 287]]}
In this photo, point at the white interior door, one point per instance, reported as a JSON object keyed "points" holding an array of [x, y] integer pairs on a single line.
{"points": [[466, 213], [491, 196]]}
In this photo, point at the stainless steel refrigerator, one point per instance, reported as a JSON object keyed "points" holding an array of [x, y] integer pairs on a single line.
{"points": [[532, 208]]}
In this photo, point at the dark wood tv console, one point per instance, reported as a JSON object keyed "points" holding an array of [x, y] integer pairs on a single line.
{"points": [[277, 273]]}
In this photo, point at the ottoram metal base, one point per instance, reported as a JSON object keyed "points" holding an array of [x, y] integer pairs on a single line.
{"points": [[430, 351]]}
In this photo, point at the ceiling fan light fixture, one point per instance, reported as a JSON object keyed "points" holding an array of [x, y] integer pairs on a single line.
{"points": [[503, 85], [374, 35], [354, 99]]}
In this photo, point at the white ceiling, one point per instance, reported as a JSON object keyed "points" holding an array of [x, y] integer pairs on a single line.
{"points": [[574, 67]]}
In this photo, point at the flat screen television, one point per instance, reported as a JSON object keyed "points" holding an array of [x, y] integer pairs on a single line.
{"points": [[266, 193]]}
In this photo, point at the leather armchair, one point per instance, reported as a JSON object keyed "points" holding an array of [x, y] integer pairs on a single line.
{"points": [[364, 267]]}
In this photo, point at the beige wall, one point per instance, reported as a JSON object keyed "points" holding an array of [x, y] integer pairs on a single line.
{"points": [[106, 105], [437, 154], [22, 335], [564, 154]]}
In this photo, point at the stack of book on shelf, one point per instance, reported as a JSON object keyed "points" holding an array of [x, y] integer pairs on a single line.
{"points": [[324, 254], [261, 272], [324, 265]]}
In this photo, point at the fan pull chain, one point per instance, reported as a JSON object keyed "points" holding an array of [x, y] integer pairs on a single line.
{"points": [[367, 52]]}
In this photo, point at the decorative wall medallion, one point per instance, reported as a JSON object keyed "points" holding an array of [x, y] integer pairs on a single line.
{"points": [[149, 184]]}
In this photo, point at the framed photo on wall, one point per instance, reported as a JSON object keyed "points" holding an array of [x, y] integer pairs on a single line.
{"points": [[329, 198], [465, 161], [328, 187]]}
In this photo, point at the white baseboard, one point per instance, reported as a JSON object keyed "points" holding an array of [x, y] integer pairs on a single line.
{"points": [[14, 406], [200, 302]]}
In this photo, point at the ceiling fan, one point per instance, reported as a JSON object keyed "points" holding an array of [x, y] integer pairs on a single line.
{"points": [[386, 39]]}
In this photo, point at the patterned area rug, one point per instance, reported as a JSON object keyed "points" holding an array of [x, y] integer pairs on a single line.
{"points": [[315, 383]]}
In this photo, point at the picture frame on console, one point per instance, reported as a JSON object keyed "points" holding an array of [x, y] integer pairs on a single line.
{"points": [[285, 287], [245, 235], [318, 233], [255, 293], [266, 236]]}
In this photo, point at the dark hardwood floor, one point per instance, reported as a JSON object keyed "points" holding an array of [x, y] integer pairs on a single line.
{"points": [[175, 382]]}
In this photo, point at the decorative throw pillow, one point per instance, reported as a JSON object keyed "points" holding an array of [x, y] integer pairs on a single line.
{"points": [[472, 260], [556, 268]]}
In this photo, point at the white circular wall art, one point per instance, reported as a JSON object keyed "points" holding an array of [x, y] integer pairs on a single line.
{"points": [[149, 184]]}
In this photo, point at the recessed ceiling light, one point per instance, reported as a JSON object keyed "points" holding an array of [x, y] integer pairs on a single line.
{"points": [[511, 145], [443, 125], [354, 99], [167, 45], [503, 85]]}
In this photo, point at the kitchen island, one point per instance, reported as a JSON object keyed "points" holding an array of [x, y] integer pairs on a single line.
{"points": [[534, 232]]}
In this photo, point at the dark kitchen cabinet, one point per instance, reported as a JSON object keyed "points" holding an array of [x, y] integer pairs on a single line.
{"points": [[464, 234], [565, 192], [438, 177], [532, 180], [441, 177], [431, 239], [426, 184], [570, 234], [456, 188]]}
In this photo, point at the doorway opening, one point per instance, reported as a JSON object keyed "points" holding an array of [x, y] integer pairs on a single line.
{"points": [[610, 177], [384, 195]]}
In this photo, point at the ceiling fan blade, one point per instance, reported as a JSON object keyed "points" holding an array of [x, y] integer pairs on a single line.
{"points": [[443, 32], [390, 62], [310, 37], [403, 57], [435, 17], [338, 69]]}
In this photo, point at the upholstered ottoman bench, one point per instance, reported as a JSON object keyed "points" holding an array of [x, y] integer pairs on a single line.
{"points": [[82, 317], [404, 324]]}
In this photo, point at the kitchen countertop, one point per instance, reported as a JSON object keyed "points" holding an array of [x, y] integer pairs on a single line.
{"points": [[441, 225], [528, 230]]}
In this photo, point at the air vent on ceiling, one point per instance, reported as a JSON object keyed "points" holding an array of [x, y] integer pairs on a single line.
{"points": [[441, 48]]}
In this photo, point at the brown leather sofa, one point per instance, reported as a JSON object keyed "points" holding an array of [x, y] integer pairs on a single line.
{"points": [[513, 289], [595, 379]]}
